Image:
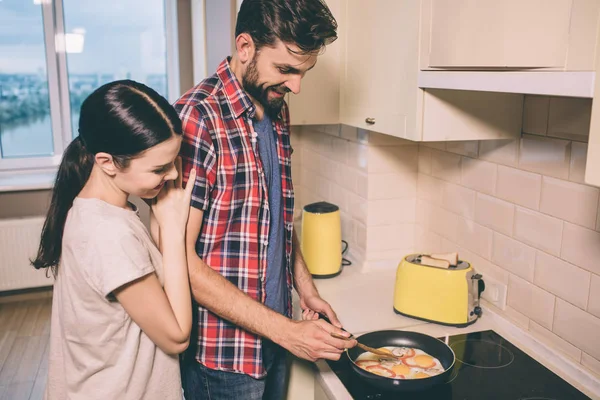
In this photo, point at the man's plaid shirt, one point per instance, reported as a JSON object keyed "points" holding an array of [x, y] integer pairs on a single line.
{"points": [[220, 142]]}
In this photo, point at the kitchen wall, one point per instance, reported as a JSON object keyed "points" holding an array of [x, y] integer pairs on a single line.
{"points": [[371, 177], [517, 209], [520, 212]]}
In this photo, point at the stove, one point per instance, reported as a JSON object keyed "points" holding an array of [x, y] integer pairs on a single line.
{"points": [[488, 367]]}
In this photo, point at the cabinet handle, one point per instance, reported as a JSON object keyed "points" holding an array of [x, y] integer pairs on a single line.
{"points": [[370, 121]]}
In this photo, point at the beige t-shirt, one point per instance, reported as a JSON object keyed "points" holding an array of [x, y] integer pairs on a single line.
{"points": [[96, 350]]}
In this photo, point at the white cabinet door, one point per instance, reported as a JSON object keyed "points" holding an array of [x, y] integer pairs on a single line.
{"points": [[379, 83], [498, 34], [318, 102]]}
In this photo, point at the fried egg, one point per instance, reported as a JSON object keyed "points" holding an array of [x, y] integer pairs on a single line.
{"points": [[403, 363]]}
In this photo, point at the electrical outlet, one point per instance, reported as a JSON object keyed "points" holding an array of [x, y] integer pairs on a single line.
{"points": [[495, 292]]}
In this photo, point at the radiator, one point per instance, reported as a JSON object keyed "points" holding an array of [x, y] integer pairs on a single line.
{"points": [[19, 241]]}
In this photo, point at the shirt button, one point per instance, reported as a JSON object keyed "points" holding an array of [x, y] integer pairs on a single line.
{"points": [[266, 242]]}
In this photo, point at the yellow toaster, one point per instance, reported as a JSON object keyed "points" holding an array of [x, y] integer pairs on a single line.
{"points": [[447, 296]]}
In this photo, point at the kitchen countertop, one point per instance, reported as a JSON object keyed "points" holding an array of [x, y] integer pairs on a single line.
{"points": [[363, 302]]}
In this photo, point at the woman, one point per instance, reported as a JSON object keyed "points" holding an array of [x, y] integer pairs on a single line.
{"points": [[121, 310]]}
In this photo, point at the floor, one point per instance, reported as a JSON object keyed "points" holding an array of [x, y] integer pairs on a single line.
{"points": [[24, 334]]}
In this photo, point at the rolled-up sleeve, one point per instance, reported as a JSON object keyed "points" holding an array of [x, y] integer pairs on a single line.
{"points": [[197, 151]]}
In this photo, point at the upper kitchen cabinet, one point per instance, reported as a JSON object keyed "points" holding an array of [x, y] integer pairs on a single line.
{"points": [[496, 34], [515, 46], [319, 101], [377, 82]]}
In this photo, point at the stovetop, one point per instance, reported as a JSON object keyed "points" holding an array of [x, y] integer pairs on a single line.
{"points": [[488, 367]]}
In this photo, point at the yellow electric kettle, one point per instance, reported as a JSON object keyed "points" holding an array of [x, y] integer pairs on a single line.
{"points": [[321, 239]]}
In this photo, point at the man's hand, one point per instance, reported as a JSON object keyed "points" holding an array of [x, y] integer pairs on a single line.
{"points": [[314, 304], [312, 340]]}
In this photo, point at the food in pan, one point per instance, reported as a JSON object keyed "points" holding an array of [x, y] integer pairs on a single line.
{"points": [[403, 363]]}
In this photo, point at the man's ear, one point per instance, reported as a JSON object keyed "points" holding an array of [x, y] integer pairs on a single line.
{"points": [[245, 47], [107, 163]]}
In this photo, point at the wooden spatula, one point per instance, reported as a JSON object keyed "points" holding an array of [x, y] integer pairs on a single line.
{"points": [[386, 354]]}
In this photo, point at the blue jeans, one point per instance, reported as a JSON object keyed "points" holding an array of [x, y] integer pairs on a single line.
{"points": [[202, 383]]}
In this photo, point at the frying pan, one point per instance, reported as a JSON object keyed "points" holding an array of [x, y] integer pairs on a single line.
{"points": [[432, 346]]}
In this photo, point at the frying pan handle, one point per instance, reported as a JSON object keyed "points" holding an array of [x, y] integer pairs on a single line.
{"points": [[326, 319]]}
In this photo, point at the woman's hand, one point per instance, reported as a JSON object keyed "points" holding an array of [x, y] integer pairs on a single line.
{"points": [[172, 205]]}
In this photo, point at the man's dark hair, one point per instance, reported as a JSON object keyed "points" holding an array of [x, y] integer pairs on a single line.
{"points": [[305, 23]]}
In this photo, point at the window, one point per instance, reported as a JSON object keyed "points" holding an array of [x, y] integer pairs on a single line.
{"points": [[53, 54], [25, 123]]}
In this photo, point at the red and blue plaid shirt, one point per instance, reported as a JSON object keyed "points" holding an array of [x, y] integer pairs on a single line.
{"points": [[220, 142]]}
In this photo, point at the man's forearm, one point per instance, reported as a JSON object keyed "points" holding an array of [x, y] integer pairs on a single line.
{"points": [[302, 278], [220, 296]]}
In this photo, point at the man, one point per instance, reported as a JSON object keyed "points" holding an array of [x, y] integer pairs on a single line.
{"points": [[243, 256]]}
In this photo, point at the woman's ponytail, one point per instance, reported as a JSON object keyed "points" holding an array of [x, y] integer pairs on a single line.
{"points": [[73, 173]]}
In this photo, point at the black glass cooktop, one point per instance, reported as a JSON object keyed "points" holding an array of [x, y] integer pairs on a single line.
{"points": [[488, 367]]}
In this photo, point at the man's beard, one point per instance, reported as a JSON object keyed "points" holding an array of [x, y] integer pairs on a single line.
{"points": [[251, 86]]}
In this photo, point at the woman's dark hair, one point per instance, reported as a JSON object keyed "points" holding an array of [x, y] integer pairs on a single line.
{"points": [[307, 23], [121, 118]]}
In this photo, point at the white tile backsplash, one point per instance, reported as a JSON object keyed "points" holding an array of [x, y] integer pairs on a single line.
{"points": [[569, 118], [544, 223], [349, 133], [546, 156], [581, 246], [518, 210], [495, 213], [519, 187], [577, 327], [430, 188], [505, 152], [435, 145], [389, 159], [475, 237], [446, 166], [443, 222], [562, 279], [531, 301], [552, 340], [480, 264], [570, 201], [578, 161], [590, 363], [478, 175], [469, 148], [390, 237], [357, 156], [391, 211], [424, 165], [535, 114], [459, 200], [598, 218], [538, 230], [514, 256], [593, 305], [391, 185]]}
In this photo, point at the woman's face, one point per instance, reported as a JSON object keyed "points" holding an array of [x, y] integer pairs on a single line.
{"points": [[146, 174]]}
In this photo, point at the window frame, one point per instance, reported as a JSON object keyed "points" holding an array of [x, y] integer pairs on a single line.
{"points": [[58, 85]]}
